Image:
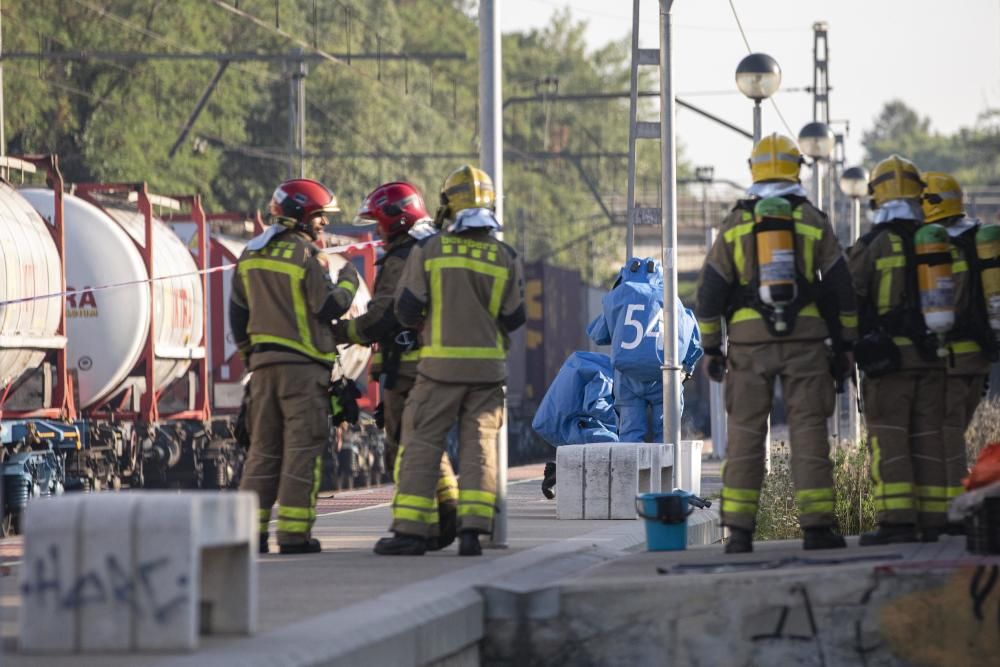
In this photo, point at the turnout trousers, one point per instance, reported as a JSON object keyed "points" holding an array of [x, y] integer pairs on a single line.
{"points": [[289, 426], [904, 420], [809, 397], [393, 403], [432, 408], [962, 396]]}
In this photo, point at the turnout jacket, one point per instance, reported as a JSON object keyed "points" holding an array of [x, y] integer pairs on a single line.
{"points": [[730, 270], [283, 302], [465, 294], [379, 324]]}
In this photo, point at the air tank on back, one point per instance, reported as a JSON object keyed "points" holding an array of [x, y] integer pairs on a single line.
{"points": [[29, 267], [107, 328]]}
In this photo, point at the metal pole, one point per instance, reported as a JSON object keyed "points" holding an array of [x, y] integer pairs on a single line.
{"points": [[633, 111], [716, 390], [292, 115], [757, 131], [300, 94], [855, 219], [491, 161], [668, 160], [817, 183]]}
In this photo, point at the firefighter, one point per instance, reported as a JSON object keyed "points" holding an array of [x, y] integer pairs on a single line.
{"points": [[972, 344], [400, 219], [281, 308], [778, 278], [903, 384], [463, 289]]}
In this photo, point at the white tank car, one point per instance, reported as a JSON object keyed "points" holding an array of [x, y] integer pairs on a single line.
{"points": [[29, 266], [227, 368], [106, 329]]}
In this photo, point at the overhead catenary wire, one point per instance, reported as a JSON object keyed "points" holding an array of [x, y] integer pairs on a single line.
{"points": [[743, 34]]}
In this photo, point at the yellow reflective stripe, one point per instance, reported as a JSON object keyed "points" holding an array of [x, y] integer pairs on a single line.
{"points": [[884, 290], [448, 494], [317, 474], [734, 236], [257, 339], [902, 340], [256, 263], [848, 321], [348, 285], [412, 355], [440, 352], [816, 507], [744, 314], [407, 514], [955, 491], [396, 465], [808, 231], [294, 526], [746, 495], [414, 501], [475, 509], [893, 488], [932, 506], [807, 495], [890, 262], [264, 515], [960, 266], [808, 252], [447, 482], [894, 503], [965, 347], [876, 460], [474, 496], [710, 326], [932, 491], [354, 336], [300, 513], [738, 506]]}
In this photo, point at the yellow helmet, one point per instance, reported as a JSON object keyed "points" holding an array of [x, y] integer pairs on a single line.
{"points": [[942, 197], [895, 178], [467, 187], [775, 157]]}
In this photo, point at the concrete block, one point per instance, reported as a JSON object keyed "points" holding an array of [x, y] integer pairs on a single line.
{"points": [[569, 486], [596, 481], [624, 481], [52, 591], [689, 473], [655, 457], [142, 571]]}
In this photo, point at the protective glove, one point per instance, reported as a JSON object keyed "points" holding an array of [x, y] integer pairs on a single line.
{"points": [[340, 336], [716, 364]]}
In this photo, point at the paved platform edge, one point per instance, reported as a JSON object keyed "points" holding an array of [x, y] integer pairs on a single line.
{"points": [[431, 622]]}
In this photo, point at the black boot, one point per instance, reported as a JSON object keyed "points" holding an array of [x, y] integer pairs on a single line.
{"points": [[262, 544], [889, 533], [550, 480], [401, 544], [310, 546], [822, 537], [448, 525], [740, 541], [468, 544]]}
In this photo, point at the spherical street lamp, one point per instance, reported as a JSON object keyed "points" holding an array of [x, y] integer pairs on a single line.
{"points": [[816, 140], [758, 77], [854, 184]]}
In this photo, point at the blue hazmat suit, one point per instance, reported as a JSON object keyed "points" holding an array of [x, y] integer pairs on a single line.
{"points": [[632, 323], [577, 407]]}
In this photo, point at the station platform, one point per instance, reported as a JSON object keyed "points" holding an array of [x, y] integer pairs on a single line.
{"points": [[347, 606]]}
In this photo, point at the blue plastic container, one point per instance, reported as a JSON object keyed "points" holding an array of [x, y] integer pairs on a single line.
{"points": [[666, 519]]}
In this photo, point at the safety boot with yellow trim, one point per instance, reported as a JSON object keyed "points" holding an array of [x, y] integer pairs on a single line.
{"points": [[401, 544], [822, 537], [889, 533], [740, 541]]}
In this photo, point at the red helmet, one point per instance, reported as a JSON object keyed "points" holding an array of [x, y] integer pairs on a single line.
{"points": [[302, 198], [394, 208]]}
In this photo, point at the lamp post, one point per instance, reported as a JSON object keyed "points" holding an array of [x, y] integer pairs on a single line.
{"points": [[854, 184], [758, 77], [816, 140]]}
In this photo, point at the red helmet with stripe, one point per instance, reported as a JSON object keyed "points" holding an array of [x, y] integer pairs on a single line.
{"points": [[394, 208], [300, 199]]}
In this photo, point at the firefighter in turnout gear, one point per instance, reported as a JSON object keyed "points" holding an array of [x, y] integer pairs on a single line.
{"points": [[283, 301], [904, 376], [972, 344], [401, 219], [777, 278], [463, 289]]}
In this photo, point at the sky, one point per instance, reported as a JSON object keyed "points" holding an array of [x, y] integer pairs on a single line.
{"points": [[941, 58]]}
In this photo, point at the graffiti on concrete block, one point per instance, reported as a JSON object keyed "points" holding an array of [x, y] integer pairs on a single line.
{"points": [[139, 589]]}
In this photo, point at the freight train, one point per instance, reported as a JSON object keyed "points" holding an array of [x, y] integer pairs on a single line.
{"points": [[129, 375]]}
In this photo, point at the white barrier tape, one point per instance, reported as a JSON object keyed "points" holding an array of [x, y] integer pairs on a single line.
{"points": [[332, 250]]}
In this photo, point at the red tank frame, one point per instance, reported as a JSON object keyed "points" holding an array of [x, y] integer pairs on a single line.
{"points": [[62, 405], [149, 411]]}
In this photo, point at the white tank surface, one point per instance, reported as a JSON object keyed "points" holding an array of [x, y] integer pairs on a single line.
{"points": [[225, 365], [29, 266], [107, 328]]}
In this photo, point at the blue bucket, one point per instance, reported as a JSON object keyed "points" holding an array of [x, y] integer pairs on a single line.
{"points": [[666, 519]]}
